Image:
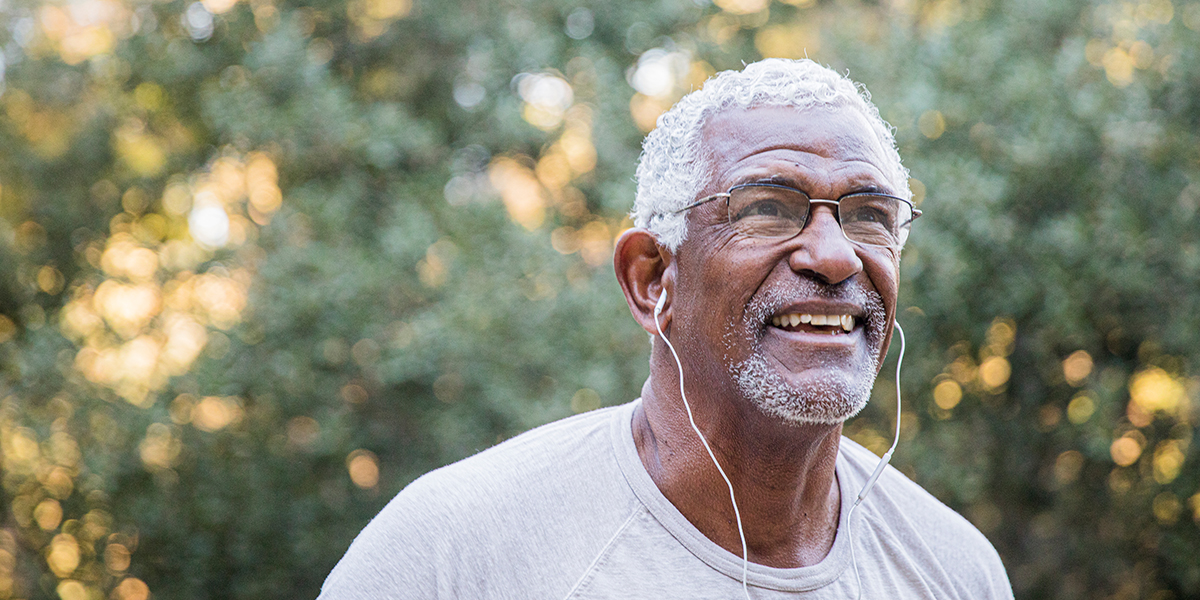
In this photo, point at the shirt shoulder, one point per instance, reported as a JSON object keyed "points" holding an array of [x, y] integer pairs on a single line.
{"points": [[951, 554], [488, 525]]}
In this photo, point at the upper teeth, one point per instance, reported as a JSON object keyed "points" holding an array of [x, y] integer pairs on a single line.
{"points": [[794, 319]]}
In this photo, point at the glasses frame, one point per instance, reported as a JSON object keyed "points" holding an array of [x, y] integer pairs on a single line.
{"points": [[811, 201]]}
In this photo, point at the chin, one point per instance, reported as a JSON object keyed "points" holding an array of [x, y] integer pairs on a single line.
{"points": [[829, 399]]}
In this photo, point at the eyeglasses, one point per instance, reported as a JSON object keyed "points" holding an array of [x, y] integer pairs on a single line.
{"points": [[772, 211]]}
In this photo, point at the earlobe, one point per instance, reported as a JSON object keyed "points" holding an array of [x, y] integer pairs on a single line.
{"points": [[643, 270]]}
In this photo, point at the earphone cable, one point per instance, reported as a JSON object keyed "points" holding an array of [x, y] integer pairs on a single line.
{"points": [[737, 514], [883, 462]]}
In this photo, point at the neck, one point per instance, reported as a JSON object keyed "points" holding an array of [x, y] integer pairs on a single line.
{"points": [[782, 474]]}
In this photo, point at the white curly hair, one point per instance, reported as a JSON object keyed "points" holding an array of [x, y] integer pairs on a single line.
{"points": [[673, 170]]}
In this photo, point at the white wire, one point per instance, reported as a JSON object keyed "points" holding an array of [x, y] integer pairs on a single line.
{"points": [[737, 515], [883, 462]]}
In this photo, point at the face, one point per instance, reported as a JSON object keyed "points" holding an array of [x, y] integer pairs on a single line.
{"points": [[755, 306]]}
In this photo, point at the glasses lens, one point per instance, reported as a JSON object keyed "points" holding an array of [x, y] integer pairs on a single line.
{"points": [[875, 220], [767, 211]]}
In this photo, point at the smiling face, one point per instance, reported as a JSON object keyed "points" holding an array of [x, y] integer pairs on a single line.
{"points": [[799, 325]]}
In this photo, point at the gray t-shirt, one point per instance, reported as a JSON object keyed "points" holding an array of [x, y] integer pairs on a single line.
{"points": [[567, 511]]}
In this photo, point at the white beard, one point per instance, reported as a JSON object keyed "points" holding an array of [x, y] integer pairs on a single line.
{"points": [[831, 400]]}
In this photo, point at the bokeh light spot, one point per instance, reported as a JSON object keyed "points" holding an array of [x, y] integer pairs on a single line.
{"points": [[303, 432], [71, 589], [116, 557], [132, 588], [547, 97], [64, 555], [1168, 461], [1125, 450], [1068, 466], [213, 413], [932, 124], [1077, 367], [584, 400], [1166, 507], [48, 514], [1081, 409], [1154, 390], [354, 393], [947, 394], [363, 467], [742, 7], [994, 372], [209, 225]]}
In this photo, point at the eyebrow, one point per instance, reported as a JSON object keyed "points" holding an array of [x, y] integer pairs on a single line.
{"points": [[869, 188]]}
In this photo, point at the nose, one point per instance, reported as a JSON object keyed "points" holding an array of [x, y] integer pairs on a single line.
{"points": [[822, 251]]}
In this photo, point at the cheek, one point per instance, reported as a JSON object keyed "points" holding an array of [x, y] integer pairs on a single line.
{"points": [[884, 273]]}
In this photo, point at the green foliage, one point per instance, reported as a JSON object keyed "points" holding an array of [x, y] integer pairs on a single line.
{"points": [[416, 266]]}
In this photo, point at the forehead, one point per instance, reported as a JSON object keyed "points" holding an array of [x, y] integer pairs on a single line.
{"points": [[813, 148]]}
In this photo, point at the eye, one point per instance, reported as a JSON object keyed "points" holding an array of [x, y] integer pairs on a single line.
{"points": [[868, 214], [764, 207], [868, 210]]}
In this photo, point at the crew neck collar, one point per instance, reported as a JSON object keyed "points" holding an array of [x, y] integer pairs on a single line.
{"points": [[800, 579]]}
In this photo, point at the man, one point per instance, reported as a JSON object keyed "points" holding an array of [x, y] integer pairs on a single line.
{"points": [[780, 310]]}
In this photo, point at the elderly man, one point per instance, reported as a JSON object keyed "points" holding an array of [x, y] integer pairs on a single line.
{"points": [[771, 210]]}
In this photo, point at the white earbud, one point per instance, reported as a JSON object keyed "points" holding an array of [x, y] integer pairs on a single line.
{"points": [[662, 301]]}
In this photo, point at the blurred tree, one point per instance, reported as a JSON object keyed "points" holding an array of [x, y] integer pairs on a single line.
{"points": [[262, 264]]}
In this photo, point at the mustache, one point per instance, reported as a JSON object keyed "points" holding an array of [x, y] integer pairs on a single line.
{"points": [[851, 291]]}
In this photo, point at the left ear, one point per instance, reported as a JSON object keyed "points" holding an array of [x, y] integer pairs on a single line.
{"points": [[644, 269]]}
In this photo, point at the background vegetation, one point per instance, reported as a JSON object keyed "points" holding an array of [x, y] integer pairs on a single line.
{"points": [[263, 262]]}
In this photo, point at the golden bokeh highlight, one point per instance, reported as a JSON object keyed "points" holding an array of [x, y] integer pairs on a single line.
{"points": [[150, 319], [743, 7], [117, 557], [363, 467], [213, 413], [140, 150], [371, 17], [70, 589], [584, 400], [796, 40], [47, 130], [85, 29], [994, 372], [1168, 461], [8, 329], [1080, 409], [434, 269], [939, 15], [520, 190], [48, 514], [160, 447], [646, 110], [932, 124], [63, 555], [947, 394], [1126, 449], [1166, 507], [50, 280], [1153, 390], [131, 588], [1077, 367], [218, 7], [1127, 49]]}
